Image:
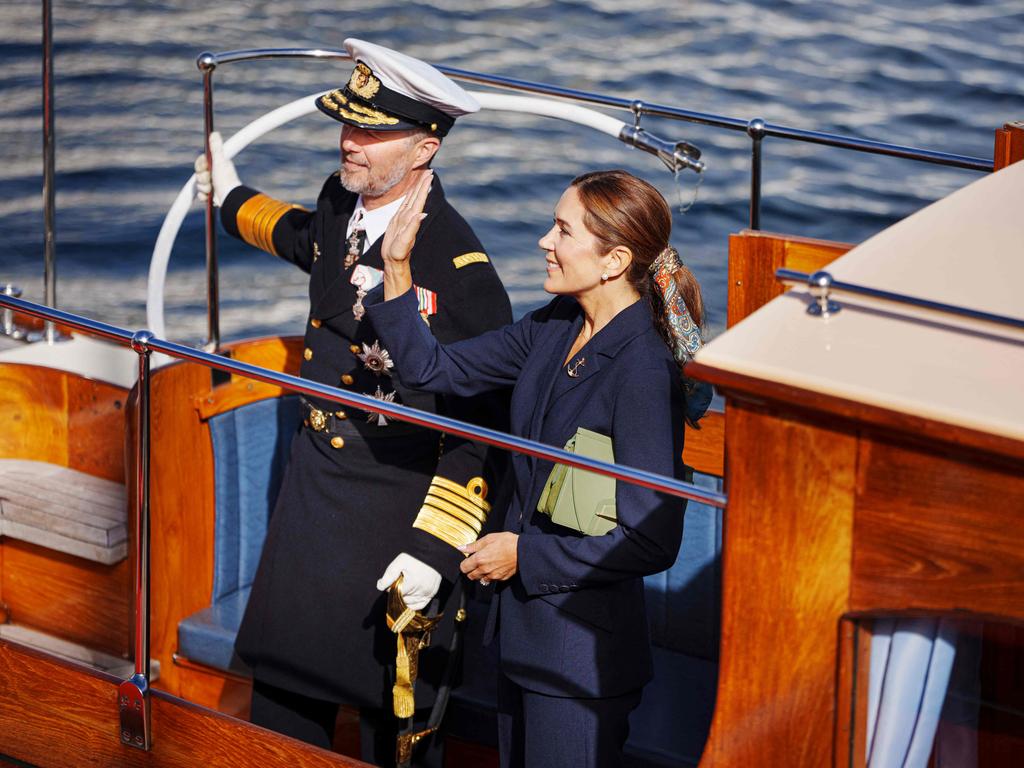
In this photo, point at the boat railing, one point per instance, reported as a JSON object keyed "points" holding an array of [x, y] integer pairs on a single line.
{"points": [[756, 128], [133, 698], [822, 285]]}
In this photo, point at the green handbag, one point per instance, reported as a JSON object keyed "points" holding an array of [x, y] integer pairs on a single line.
{"points": [[576, 498]]}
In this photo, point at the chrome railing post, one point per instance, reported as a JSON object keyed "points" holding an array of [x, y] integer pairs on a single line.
{"points": [[49, 198], [133, 694], [9, 289], [756, 131], [207, 64]]}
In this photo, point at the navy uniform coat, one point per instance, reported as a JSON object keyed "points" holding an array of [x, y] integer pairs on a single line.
{"points": [[315, 620], [572, 621]]}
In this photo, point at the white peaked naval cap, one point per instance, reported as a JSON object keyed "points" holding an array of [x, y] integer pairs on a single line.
{"points": [[391, 91]]}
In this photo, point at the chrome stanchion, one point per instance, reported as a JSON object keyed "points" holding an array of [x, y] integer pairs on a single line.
{"points": [[49, 194], [207, 63], [10, 289], [756, 131], [133, 694]]}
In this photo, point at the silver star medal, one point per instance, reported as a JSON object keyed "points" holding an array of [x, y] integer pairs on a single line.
{"points": [[379, 417], [375, 358]]}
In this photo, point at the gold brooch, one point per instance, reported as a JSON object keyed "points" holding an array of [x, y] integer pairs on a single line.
{"points": [[574, 369]]}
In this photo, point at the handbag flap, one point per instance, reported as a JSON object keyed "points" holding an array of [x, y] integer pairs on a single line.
{"points": [[580, 500], [594, 494]]}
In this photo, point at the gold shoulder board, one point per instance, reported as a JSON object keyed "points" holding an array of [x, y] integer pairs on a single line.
{"points": [[469, 258]]}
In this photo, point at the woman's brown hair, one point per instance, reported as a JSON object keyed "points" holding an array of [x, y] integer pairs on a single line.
{"points": [[621, 209]]}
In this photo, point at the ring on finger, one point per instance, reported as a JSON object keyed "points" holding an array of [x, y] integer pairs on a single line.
{"points": [[484, 582]]}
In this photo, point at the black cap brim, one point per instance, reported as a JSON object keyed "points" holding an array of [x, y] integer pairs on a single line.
{"points": [[344, 109]]}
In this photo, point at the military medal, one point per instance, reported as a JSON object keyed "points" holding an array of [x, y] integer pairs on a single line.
{"points": [[354, 242], [375, 358], [384, 397], [354, 246], [358, 310]]}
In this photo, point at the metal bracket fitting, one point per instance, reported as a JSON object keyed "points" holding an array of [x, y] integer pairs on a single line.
{"points": [[820, 284], [133, 704]]}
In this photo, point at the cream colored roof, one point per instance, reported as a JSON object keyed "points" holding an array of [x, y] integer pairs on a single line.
{"points": [[967, 249]]}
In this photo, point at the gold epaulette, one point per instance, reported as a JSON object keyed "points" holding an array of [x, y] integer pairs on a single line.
{"points": [[256, 219], [469, 258], [453, 513]]}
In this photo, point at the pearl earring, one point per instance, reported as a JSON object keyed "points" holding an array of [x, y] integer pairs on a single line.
{"points": [[604, 277]]}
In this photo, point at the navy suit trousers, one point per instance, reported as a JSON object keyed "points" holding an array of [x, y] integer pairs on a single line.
{"points": [[540, 731]]}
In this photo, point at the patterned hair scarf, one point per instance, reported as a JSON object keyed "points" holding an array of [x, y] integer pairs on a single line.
{"points": [[686, 338]]}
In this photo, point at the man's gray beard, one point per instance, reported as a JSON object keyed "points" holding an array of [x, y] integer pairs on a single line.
{"points": [[372, 187]]}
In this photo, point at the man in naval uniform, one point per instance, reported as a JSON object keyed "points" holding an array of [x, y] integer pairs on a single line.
{"points": [[364, 499]]}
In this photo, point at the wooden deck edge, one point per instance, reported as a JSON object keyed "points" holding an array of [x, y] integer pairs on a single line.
{"points": [[55, 713]]}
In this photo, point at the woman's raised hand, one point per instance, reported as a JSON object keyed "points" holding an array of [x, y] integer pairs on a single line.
{"points": [[400, 236]]}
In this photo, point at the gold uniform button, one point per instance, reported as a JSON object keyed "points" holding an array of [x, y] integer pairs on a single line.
{"points": [[308, 353], [355, 349], [315, 323], [341, 414], [347, 380], [337, 442]]}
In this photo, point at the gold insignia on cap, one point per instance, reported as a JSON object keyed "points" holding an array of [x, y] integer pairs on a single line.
{"points": [[338, 103], [363, 83], [469, 258]]}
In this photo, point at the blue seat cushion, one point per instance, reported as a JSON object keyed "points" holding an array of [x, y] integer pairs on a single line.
{"points": [[208, 636]]}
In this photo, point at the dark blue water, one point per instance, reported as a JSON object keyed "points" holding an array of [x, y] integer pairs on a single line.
{"points": [[129, 122]]}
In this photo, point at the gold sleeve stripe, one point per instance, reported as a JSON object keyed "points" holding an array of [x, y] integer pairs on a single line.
{"points": [[256, 219], [454, 499], [444, 527], [454, 513], [475, 490], [469, 258]]}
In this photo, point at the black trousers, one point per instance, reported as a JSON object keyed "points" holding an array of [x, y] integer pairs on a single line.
{"points": [[312, 721], [540, 731]]}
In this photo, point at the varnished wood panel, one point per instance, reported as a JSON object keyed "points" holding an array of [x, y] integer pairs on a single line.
{"points": [[937, 530], [181, 510], [67, 596], [753, 258], [912, 428], [33, 414], [704, 448], [278, 353], [182, 504], [1009, 145], [54, 715], [211, 688], [853, 677], [785, 582], [64, 419]]}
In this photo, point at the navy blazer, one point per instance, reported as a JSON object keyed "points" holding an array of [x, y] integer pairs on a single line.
{"points": [[572, 621]]}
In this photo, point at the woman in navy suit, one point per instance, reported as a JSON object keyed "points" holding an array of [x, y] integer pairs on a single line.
{"points": [[604, 354]]}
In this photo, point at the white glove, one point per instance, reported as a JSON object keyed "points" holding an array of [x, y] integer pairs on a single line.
{"points": [[420, 582], [225, 178]]}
